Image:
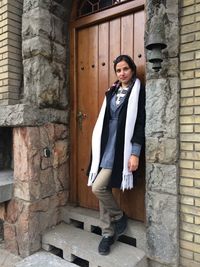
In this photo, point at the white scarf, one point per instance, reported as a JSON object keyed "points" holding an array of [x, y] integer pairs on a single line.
{"points": [[132, 108]]}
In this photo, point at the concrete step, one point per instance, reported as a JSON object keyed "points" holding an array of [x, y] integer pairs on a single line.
{"points": [[90, 219], [75, 242], [42, 259]]}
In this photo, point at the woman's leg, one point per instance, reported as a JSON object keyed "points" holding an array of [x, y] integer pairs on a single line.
{"points": [[109, 209]]}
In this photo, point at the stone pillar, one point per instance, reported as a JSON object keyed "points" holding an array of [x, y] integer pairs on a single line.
{"points": [[41, 137], [44, 50], [40, 185], [162, 104]]}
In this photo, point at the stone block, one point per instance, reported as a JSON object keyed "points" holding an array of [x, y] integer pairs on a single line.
{"points": [[162, 227], [10, 238], [59, 53], [40, 177], [13, 211], [170, 19], [162, 98], [36, 22], [44, 83], [61, 9], [162, 178], [32, 4], [162, 150], [170, 69], [59, 31], [60, 153], [37, 46]]}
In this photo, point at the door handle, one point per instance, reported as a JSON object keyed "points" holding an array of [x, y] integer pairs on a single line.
{"points": [[80, 117]]}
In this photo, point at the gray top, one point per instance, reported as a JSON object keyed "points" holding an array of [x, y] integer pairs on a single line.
{"points": [[108, 157]]}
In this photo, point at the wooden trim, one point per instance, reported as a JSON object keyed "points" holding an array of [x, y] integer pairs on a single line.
{"points": [[114, 11], [73, 124]]}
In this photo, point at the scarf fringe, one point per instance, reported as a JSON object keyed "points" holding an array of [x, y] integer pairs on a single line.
{"points": [[127, 181], [91, 178]]}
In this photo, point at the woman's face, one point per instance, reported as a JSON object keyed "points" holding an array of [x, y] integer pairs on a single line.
{"points": [[124, 73]]}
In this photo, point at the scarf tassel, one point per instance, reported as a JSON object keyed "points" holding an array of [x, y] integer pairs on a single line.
{"points": [[127, 181]]}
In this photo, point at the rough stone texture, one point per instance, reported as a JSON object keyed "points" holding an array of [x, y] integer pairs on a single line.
{"points": [[26, 115], [7, 259], [162, 178], [163, 150], [41, 259], [44, 50], [152, 263], [41, 185], [162, 222], [44, 82], [162, 103]]}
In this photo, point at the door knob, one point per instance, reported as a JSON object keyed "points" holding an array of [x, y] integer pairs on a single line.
{"points": [[80, 117]]}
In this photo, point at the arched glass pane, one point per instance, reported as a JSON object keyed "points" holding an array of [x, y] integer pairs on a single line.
{"points": [[105, 3], [87, 7]]}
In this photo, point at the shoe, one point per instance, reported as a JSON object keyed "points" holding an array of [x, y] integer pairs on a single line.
{"points": [[104, 245], [120, 225]]}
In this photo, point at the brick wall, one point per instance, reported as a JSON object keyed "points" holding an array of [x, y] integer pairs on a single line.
{"points": [[190, 134], [10, 51]]}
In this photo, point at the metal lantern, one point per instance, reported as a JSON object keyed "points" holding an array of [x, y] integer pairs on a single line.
{"points": [[156, 41]]}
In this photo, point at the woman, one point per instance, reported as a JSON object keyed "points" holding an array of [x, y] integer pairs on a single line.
{"points": [[117, 139]]}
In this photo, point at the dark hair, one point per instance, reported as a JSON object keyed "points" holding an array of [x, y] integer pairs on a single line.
{"points": [[128, 60]]}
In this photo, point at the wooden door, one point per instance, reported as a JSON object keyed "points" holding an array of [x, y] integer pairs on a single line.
{"points": [[96, 46]]}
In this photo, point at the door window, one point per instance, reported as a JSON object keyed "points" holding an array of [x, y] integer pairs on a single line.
{"points": [[91, 6]]}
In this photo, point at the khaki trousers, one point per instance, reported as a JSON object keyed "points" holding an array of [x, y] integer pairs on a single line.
{"points": [[109, 209]]}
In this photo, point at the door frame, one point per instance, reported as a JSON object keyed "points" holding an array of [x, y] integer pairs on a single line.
{"points": [[76, 24]]}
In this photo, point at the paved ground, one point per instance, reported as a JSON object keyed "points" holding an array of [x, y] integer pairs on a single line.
{"points": [[39, 259], [7, 259]]}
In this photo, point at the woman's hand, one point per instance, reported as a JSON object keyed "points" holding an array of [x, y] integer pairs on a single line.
{"points": [[133, 163]]}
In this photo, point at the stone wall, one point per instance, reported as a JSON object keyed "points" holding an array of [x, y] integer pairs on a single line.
{"points": [[44, 37], [190, 134], [41, 185], [10, 51], [162, 132], [40, 127]]}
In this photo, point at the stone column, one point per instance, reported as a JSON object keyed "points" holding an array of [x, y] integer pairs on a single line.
{"points": [[41, 185], [44, 49], [162, 104], [41, 138]]}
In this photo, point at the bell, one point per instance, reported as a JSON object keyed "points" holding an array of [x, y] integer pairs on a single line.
{"points": [[156, 40], [156, 57]]}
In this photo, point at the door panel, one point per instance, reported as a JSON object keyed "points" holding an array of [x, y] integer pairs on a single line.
{"points": [[127, 32], [103, 60], [114, 46], [87, 92], [96, 48]]}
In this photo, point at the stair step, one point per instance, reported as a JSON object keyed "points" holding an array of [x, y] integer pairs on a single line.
{"points": [[75, 242], [90, 218], [42, 259]]}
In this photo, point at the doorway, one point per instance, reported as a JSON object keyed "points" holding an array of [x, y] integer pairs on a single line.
{"points": [[96, 40]]}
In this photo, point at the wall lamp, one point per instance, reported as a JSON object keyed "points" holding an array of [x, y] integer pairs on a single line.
{"points": [[156, 40]]}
